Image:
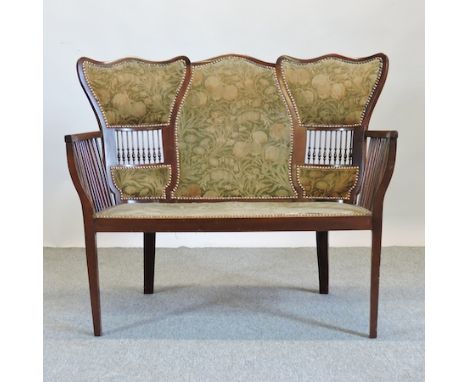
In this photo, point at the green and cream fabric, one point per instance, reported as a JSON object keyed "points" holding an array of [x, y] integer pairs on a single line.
{"points": [[233, 129], [141, 182], [230, 209], [331, 91], [134, 92], [322, 182], [234, 133]]}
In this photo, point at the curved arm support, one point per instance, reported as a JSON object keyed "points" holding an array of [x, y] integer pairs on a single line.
{"points": [[378, 170], [87, 170]]}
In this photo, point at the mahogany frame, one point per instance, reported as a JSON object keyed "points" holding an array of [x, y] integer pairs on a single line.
{"points": [[91, 181]]}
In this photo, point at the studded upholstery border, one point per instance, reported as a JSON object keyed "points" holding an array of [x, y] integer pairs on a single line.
{"points": [[234, 134], [141, 182], [327, 182], [331, 91], [233, 131], [133, 92], [231, 210]]}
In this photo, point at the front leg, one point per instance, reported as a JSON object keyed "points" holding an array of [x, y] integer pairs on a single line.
{"points": [[93, 278], [375, 276]]}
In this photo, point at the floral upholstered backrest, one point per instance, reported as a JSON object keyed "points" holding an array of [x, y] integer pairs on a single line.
{"points": [[331, 91], [135, 92], [332, 98], [233, 127], [234, 133], [134, 100]]}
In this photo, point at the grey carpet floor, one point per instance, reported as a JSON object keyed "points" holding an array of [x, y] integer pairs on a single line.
{"points": [[234, 315]]}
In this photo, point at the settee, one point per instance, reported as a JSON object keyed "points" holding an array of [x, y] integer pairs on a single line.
{"points": [[232, 144]]}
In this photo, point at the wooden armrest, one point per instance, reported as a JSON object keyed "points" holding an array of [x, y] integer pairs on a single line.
{"points": [[378, 169], [381, 134], [87, 170], [82, 136]]}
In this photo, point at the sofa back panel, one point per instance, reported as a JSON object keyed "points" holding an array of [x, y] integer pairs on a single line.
{"points": [[225, 128], [135, 102], [234, 133], [333, 90], [135, 92]]}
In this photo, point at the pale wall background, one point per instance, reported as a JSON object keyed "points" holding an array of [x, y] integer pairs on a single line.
{"points": [[157, 30]]}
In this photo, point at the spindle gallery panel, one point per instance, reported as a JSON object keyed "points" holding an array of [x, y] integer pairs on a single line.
{"points": [[329, 147], [134, 147]]}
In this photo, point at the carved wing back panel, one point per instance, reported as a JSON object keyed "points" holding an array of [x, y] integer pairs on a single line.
{"points": [[134, 101], [332, 98]]}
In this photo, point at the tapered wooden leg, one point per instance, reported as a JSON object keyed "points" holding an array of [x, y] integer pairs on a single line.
{"points": [[149, 250], [93, 278], [375, 276], [322, 259]]}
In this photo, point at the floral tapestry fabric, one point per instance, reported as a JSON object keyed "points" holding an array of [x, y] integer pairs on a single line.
{"points": [[331, 91], [224, 209], [234, 133], [327, 182], [134, 92], [141, 182]]}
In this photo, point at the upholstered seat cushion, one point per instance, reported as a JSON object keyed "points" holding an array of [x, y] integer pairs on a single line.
{"points": [[231, 210]]}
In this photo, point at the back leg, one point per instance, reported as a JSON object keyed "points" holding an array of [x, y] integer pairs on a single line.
{"points": [[149, 251], [322, 259]]}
